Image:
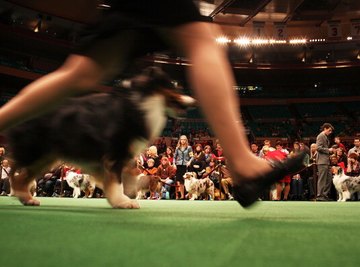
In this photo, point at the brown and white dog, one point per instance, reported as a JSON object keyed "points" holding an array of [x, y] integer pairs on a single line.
{"points": [[148, 183], [80, 182], [198, 187], [101, 133], [345, 185]]}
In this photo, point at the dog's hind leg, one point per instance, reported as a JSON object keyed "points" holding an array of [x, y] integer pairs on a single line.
{"points": [[20, 185]]}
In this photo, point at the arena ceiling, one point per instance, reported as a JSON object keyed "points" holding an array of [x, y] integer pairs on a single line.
{"points": [[233, 13], [328, 31]]}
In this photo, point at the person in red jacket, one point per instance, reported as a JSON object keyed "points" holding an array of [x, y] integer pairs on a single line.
{"points": [[283, 184]]}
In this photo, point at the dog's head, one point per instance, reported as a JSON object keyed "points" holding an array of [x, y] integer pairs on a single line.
{"points": [[189, 176], [337, 170], [153, 80]]}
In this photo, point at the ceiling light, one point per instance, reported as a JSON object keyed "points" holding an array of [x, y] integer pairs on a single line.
{"points": [[223, 40], [242, 41], [297, 41]]}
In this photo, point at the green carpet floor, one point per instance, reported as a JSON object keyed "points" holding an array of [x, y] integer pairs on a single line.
{"points": [[87, 232]]}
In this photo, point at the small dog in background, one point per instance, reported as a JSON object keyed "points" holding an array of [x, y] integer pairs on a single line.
{"points": [[345, 185], [80, 183], [148, 183], [199, 187]]}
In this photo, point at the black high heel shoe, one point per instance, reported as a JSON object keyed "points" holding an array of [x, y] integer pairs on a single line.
{"points": [[248, 191]]}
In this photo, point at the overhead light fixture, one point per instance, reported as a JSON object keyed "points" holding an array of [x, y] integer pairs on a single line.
{"points": [[242, 41], [38, 26], [223, 40], [297, 41], [104, 6]]}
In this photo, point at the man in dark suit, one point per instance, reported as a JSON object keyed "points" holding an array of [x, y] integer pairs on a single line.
{"points": [[323, 162]]}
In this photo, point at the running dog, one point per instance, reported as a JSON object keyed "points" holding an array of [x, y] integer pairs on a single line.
{"points": [[198, 187], [100, 132], [345, 185]]}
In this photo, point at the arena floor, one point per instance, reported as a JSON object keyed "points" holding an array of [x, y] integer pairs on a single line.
{"points": [[87, 232]]}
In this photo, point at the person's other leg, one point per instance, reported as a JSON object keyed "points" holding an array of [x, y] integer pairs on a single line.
{"points": [[321, 183], [328, 183], [213, 81]]}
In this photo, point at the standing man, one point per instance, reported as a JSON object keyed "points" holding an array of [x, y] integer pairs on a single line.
{"points": [[323, 162]]}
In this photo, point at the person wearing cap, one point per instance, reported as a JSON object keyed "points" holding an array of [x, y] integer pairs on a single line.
{"points": [[323, 162]]}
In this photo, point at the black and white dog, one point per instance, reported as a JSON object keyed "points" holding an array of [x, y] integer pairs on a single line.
{"points": [[100, 132]]}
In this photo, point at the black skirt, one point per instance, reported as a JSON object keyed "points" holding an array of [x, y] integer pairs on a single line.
{"points": [[134, 28]]}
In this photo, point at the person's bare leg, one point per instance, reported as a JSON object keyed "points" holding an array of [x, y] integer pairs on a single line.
{"points": [[182, 191], [286, 191], [78, 73], [212, 79], [279, 190]]}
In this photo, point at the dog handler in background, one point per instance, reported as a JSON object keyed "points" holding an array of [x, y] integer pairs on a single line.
{"points": [[131, 29]]}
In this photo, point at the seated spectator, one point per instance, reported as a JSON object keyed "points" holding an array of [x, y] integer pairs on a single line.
{"points": [[46, 183], [334, 161], [338, 143], [226, 182], [353, 169], [255, 149], [212, 172], [219, 152], [170, 154], [151, 169], [341, 155], [267, 146], [167, 173], [150, 153], [197, 163], [208, 154]]}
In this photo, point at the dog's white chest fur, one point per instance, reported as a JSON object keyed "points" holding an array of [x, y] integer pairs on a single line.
{"points": [[154, 110], [155, 119]]}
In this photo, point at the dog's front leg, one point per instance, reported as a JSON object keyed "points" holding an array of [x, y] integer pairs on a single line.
{"points": [[346, 195], [20, 186], [114, 192], [340, 196]]}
